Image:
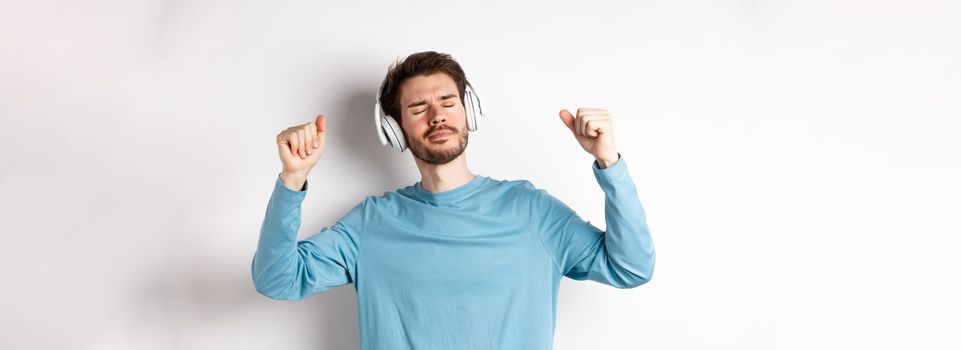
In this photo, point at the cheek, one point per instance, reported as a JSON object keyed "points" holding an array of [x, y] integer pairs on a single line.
{"points": [[412, 129], [462, 113]]}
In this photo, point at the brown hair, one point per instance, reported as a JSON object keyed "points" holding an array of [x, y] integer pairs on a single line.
{"points": [[422, 63]]}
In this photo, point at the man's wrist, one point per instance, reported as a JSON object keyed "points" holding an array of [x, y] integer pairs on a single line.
{"points": [[607, 163], [293, 181]]}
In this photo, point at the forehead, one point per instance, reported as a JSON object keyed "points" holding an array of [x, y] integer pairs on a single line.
{"points": [[424, 87]]}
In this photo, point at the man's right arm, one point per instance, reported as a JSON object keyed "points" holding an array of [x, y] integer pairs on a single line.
{"points": [[284, 268]]}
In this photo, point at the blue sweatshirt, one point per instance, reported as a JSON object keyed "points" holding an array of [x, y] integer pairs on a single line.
{"points": [[474, 267]]}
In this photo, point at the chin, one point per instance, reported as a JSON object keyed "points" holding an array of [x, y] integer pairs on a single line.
{"points": [[443, 152]]}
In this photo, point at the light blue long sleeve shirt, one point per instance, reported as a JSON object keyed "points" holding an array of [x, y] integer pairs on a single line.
{"points": [[474, 267]]}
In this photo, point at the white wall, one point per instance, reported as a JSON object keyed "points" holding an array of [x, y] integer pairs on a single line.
{"points": [[797, 159]]}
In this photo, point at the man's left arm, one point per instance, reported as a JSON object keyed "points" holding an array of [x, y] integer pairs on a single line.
{"points": [[623, 255]]}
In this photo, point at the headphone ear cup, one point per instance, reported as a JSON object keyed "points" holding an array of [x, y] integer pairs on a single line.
{"points": [[471, 110], [394, 133]]}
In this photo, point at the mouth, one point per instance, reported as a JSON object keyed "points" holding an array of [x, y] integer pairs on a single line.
{"points": [[439, 134]]}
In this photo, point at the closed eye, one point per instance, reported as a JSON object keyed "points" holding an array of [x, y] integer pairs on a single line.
{"points": [[422, 111]]}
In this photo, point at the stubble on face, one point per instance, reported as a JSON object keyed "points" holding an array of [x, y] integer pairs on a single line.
{"points": [[441, 151]]}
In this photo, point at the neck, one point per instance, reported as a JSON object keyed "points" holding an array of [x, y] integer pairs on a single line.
{"points": [[444, 177]]}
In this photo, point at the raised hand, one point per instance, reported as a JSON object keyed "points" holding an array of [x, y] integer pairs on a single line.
{"points": [[300, 146], [594, 130]]}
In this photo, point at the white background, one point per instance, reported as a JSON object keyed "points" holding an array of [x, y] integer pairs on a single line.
{"points": [[797, 160]]}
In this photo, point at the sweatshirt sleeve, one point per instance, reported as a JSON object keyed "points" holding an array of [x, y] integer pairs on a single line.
{"points": [[284, 268], [623, 256]]}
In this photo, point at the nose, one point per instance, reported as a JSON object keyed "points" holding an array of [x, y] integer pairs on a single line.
{"points": [[436, 117]]}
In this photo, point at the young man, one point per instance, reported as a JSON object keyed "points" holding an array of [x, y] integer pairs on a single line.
{"points": [[456, 260]]}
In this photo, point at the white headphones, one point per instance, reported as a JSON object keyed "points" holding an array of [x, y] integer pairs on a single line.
{"points": [[390, 133]]}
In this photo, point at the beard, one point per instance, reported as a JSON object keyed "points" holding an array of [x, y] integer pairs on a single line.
{"points": [[441, 152]]}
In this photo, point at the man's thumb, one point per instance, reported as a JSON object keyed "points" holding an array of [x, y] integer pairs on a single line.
{"points": [[321, 123], [568, 119]]}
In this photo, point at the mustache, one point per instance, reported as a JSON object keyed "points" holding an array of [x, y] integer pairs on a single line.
{"points": [[442, 127]]}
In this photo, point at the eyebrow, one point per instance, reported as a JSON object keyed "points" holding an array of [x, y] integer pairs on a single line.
{"points": [[422, 102]]}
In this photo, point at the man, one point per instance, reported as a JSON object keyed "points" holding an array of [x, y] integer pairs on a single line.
{"points": [[456, 260]]}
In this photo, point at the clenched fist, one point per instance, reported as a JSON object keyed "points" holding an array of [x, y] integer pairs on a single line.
{"points": [[300, 147], [594, 130]]}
